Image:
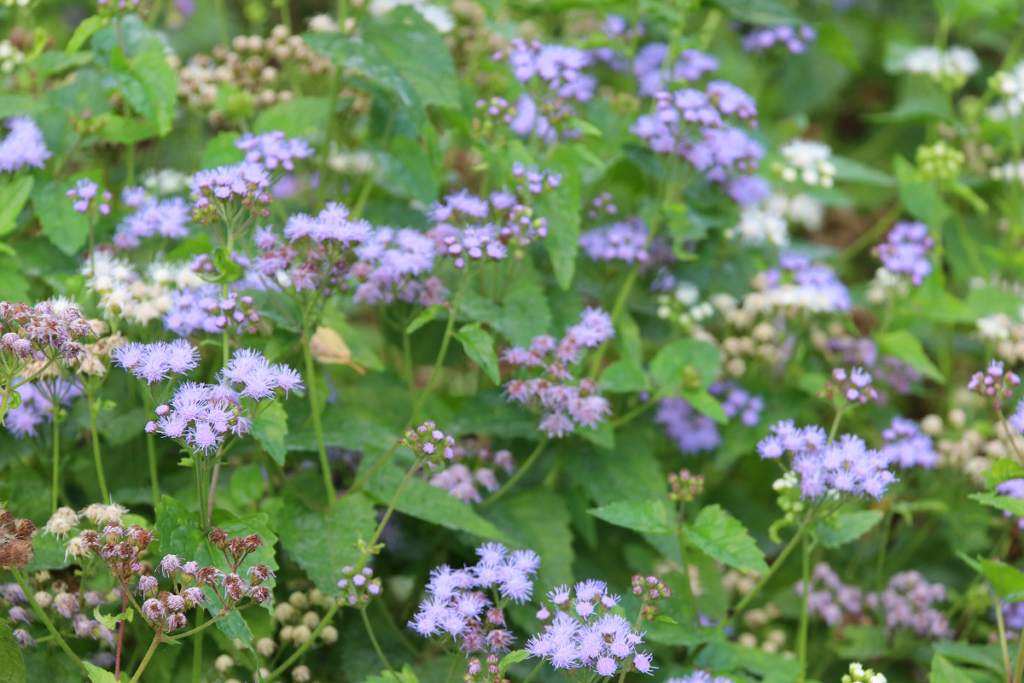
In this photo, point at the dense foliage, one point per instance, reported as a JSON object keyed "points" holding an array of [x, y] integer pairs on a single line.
{"points": [[407, 341]]}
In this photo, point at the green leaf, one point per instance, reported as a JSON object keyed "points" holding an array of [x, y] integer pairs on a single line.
{"points": [[418, 52], [149, 85], [110, 620], [848, 170], [624, 377], [511, 658], [836, 43], [759, 12], [985, 656], [125, 130], [722, 537], [84, 32], [49, 553], [644, 516], [848, 526], [247, 484], [537, 520], [425, 316], [1014, 506], [98, 675], [431, 504], [270, 428], [908, 349], [706, 404], [1002, 470], [944, 671], [13, 197], [180, 534], [1006, 581], [560, 208], [479, 346], [221, 151], [227, 269], [406, 675], [921, 199], [302, 117], [602, 435], [686, 360], [12, 664], [67, 229], [321, 543], [406, 169]]}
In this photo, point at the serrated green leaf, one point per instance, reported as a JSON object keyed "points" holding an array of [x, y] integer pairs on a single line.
{"points": [[623, 377], [907, 348], [270, 428], [511, 658], [1014, 506], [67, 229], [681, 359], [246, 484], [324, 542], [560, 208], [12, 664], [536, 520], [1006, 581], [425, 316], [706, 404], [221, 151], [124, 130], [643, 516], [84, 32], [722, 537], [98, 675], [148, 84], [921, 199], [760, 12], [848, 526], [850, 171], [479, 346], [1002, 470], [944, 671], [14, 195]]}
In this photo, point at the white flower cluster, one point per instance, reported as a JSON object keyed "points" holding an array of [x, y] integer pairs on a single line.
{"points": [[1009, 84], [798, 209], [10, 56], [684, 306], [858, 674], [124, 294], [761, 225], [952, 66], [807, 161]]}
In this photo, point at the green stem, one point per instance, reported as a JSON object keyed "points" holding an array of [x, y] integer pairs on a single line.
{"points": [[1001, 627], [801, 644], [883, 550], [391, 508], [1019, 669], [325, 153], [683, 556], [455, 666], [198, 467], [45, 619], [373, 639], [222, 19], [145, 660], [534, 672], [835, 424], [407, 357], [96, 455], [786, 551], [314, 405], [286, 664], [56, 454], [518, 473], [197, 652], [197, 629]]}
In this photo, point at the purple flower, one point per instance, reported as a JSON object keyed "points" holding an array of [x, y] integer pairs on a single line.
{"points": [[623, 241], [909, 602], [38, 400], [905, 251], [907, 446], [23, 146], [795, 40], [164, 218], [246, 183], [83, 194], [692, 431], [652, 76], [157, 361], [274, 149], [829, 598]]}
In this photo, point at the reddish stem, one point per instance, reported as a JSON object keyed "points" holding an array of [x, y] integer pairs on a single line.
{"points": [[120, 635]]}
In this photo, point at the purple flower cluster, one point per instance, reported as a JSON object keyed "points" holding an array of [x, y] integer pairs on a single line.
{"points": [[829, 598], [83, 194], [602, 205], [157, 361], [843, 466], [854, 386], [332, 226], [470, 228], [26, 330], [274, 150], [798, 283], [206, 309], [457, 604], [201, 415], [795, 39], [430, 444], [623, 241], [165, 218], [695, 432], [700, 677], [589, 636], [692, 431], [246, 183], [695, 126], [38, 400], [995, 382], [560, 68], [905, 251], [909, 602], [22, 146], [566, 404], [653, 76], [395, 265], [907, 446], [473, 470]]}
